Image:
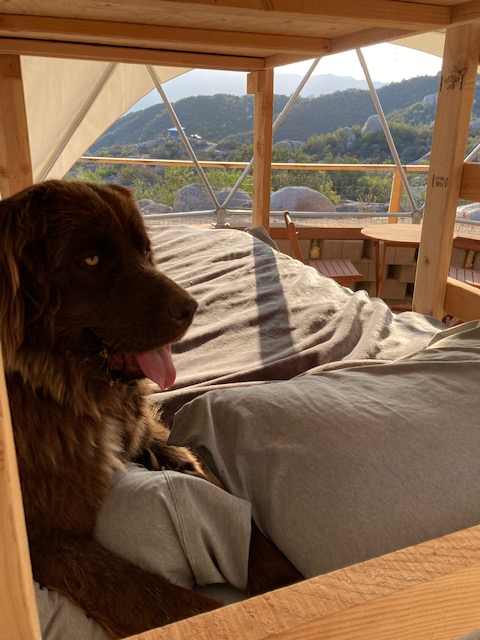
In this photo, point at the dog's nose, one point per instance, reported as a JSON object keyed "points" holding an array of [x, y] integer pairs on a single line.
{"points": [[183, 312]]}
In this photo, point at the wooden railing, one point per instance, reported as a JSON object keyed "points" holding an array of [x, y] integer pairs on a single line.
{"points": [[395, 192]]}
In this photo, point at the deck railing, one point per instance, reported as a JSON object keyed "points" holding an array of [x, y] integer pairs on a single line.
{"points": [[395, 191]]}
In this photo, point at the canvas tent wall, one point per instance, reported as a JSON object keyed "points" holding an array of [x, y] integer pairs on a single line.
{"points": [[63, 106]]}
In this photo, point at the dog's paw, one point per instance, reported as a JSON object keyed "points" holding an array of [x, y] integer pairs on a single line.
{"points": [[163, 457], [182, 460]]}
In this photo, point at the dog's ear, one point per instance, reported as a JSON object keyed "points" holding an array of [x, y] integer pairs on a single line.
{"points": [[20, 228], [113, 194]]}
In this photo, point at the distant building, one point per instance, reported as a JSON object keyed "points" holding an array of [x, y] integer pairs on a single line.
{"points": [[172, 132]]}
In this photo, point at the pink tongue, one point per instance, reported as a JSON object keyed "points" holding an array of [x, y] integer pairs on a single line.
{"points": [[158, 366]]}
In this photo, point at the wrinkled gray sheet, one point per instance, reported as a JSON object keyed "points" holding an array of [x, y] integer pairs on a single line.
{"points": [[343, 466], [180, 527], [265, 316]]}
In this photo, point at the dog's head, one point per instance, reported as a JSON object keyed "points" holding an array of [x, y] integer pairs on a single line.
{"points": [[77, 281]]}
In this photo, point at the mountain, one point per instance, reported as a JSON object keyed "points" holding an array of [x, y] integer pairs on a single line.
{"points": [[204, 82], [216, 117]]}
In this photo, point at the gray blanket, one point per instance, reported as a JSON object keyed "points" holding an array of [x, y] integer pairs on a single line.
{"points": [[265, 316]]}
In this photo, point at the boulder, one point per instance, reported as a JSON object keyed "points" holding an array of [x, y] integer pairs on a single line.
{"points": [[151, 207], [430, 100], [194, 197], [241, 199], [372, 125], [300, 199], [143, 203]]}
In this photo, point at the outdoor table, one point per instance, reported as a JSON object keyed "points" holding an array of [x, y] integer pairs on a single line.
{"points": [[390, 235]]}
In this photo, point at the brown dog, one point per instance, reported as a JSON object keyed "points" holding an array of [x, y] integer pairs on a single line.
{"points": [[84, 317]]}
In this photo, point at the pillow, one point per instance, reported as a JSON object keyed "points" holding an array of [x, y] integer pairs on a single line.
{"points": [[347, 465]]}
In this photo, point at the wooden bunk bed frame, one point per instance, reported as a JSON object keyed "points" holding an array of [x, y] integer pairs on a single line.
{"points": [[430, 591]]}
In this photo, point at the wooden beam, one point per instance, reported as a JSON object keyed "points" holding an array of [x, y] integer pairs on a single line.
{"points": [[465, 12], [470, 186], [455, 99], [261, 85], [366, 37], [427, 592], [382, 13], [108, 53], [159, 37], [15, 161], [462, 301], [18, 611], [281, 59]]}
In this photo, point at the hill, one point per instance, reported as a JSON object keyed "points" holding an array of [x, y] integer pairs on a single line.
{"points": [[206, 82], [221, 115], [324, 129]]}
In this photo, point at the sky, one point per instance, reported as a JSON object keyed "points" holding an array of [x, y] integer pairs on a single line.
{"points": [[386, 62]]}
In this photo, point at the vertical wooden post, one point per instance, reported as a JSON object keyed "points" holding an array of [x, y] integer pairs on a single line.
{"points": [[395, 195], [260, 84], [18, 610], [15, 161], [455, 99]]}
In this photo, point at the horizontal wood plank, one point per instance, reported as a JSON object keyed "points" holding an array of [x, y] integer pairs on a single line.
{"points": [[158, 37], [427, 592], [109, 53], [276, 16], [281, 59], [469, 243], [462, 300], [365, 38], [465, 12]]}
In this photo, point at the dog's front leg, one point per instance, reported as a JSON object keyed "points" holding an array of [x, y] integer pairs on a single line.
{"points": [[122, 598]]}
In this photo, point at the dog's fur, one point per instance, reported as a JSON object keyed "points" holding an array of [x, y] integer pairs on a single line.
{"points": [[78, 289]]}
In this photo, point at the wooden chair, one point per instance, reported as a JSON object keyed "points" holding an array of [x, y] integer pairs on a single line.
{"points": [[340, 270]]}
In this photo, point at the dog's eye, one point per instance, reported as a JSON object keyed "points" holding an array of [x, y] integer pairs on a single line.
{"points": [[92, 261]]}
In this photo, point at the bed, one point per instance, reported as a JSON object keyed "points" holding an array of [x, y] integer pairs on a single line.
{"points": [[265, 316]]}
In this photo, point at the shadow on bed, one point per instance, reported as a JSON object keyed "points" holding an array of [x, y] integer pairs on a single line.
{"points": [[271, 303]]}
